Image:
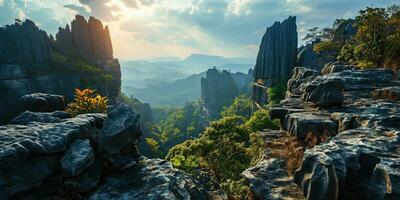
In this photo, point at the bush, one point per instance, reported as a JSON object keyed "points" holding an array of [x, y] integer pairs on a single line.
{"points": [[87, 101], [276, 93], [261, 120], [242, 106]]}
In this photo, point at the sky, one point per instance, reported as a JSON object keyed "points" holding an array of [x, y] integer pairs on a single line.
{"points": [[143, 29]]}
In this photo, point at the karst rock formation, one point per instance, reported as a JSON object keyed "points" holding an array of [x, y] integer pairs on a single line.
{"points": [[276, 58]]}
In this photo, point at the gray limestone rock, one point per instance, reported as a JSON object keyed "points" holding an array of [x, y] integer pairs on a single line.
{"points": [[324, 91], [359, 160], [119, 133], [151, 179], [278, 51], [389, 93], [333, 67], [23, 43], [300, 124], [31, 153], [218, 89], [79, 156], [87, 181], [44, 117], [40, 102]]}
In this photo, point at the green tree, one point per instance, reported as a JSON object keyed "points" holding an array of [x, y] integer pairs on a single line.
{"points": [[242, 106]]}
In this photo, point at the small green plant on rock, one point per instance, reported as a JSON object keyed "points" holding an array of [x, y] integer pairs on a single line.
{"points": [[87, 101]]}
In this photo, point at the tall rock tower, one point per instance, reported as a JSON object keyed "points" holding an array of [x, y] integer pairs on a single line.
{"points": [[218, 89], [276, 58], [92, 42]]}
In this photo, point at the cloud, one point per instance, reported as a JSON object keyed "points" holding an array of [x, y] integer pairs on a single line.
{"points": [[226, 27], [78, 8], [103, 9], [130, 3]]}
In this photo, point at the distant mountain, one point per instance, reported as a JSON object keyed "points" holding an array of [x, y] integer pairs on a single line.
{"points": [[178, 92], [139, 73], [200, 59], [164, 93]]}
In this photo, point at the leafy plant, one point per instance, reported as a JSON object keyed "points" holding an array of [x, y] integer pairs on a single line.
{"points": [[277, 92], [242, 105], [87, 101]]}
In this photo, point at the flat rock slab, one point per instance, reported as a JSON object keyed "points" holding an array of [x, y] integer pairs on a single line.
{"points": [[78, 157], [151, 179], [303, 123]]}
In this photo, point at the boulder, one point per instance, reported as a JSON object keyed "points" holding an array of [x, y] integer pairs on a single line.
{"points": [[324, 91], [334, 67], [40, 102], [389, 93], [118, 136], [150, 179], [299, 76], [79, 156], [87, 181]]}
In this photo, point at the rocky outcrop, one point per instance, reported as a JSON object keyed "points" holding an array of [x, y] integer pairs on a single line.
{"points": [[356, 152], [26, 65], [61, 157], [333, 67], [24, 43], [306, 56], [324, 91], [218, 89], [276, 58], [150, 179]]}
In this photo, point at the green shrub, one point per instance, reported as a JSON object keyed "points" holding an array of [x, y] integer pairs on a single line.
{"points": [[277, 92]]}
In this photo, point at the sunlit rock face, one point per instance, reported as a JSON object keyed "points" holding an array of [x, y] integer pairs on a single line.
{"points": [[88, 38], [218, 89], [93, 42], [276, 58]]}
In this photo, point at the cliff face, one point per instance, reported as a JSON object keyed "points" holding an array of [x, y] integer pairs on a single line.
{"points": [[23, 43], [218, 89], [278, 50], [276, 58], [25, 57]]}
